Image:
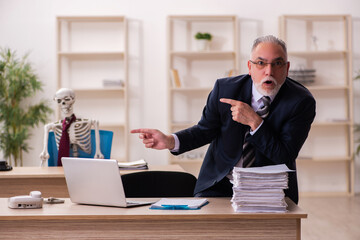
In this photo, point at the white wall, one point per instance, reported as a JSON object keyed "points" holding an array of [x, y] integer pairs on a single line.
{"points": [[29, 25]]}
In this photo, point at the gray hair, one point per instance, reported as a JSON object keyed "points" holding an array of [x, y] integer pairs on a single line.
{"points": [[270, 39]]}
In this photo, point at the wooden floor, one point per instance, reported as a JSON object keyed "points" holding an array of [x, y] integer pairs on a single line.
{"points": [[331, 218]]}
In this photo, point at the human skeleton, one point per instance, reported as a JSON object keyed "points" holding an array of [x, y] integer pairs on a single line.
{"points": [[79, 131]]}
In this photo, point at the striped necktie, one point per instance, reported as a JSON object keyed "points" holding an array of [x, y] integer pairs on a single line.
{"points": [[248, 154]]}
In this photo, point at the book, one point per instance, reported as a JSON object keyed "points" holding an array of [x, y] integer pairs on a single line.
{"points": [[113, 83], [175, 79], [134, 165], [179, 204]]}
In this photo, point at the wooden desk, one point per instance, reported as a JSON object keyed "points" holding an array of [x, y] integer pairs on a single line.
{"points": [[50, 181], [217, 220]]}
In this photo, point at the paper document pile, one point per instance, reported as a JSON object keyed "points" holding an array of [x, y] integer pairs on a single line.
{"points": [[260, 189], [139, 164]]}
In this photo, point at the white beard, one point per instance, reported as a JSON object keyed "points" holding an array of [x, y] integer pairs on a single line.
{"points": [[265, 92]]}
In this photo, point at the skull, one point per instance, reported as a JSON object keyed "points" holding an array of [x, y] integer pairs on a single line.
{"points": [[65, 97]]}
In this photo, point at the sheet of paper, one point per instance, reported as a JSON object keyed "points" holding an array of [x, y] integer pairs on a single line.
{"points": [[280, 168]]}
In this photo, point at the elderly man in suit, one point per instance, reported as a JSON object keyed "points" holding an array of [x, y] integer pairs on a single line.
{"points": [[232, 120]]}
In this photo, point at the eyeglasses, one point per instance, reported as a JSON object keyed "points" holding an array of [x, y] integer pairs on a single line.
{"points": [[278, 64]]}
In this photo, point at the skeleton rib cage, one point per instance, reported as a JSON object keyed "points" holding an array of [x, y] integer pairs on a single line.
{"points": [[79, 133]]}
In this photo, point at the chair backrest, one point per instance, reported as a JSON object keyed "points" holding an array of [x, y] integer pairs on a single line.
{"points": [[106, 138], [159, 184]]}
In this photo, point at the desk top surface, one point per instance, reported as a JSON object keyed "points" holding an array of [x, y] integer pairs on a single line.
{"points": [[58, 172], [218, 208]]}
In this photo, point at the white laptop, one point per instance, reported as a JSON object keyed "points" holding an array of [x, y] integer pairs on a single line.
{"points": [[95, 182]]}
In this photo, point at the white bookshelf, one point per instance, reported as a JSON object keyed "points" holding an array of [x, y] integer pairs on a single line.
{"points": [[91, 49], [198, 71], [323, 42]]}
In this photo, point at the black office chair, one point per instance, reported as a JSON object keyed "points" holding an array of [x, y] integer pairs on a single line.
{"points": [[158, 184]]}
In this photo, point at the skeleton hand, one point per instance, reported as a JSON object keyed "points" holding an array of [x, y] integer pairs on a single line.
{"points": [[98, 155], [44, 156]]}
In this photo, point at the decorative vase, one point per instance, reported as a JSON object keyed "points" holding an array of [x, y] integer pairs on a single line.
{"points": [[203, 44]]}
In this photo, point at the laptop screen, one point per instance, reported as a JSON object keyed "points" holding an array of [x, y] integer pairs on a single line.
{"points": [[94, 181]]}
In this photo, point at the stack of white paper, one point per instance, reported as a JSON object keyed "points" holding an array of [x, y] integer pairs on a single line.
{"points": [[260, 189], [135, 165]]}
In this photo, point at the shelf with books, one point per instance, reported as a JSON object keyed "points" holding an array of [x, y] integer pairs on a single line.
{"points": [[325, 70]]}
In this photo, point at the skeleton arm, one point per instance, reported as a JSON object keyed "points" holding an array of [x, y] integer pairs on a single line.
{"points": [[98, 153], [44, 155]]}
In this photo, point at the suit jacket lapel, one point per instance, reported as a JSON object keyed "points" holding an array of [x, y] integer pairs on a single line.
{"points": [[246, 91], [244, 95]]}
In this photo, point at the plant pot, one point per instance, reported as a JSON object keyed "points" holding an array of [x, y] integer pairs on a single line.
{"points": [[203, 44]]}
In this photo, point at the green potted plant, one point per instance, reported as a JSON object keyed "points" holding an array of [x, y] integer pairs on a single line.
{"points": [[18, 83], [203, 41]]}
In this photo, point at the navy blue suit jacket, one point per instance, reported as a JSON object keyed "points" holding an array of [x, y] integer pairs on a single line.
{"points": [[277, 141]]}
